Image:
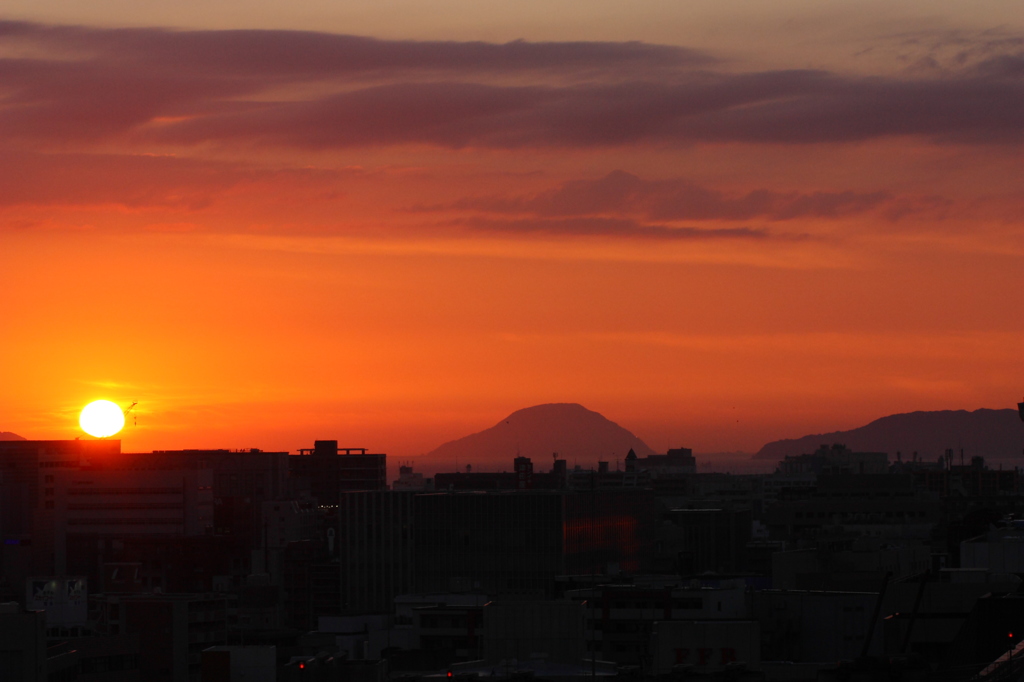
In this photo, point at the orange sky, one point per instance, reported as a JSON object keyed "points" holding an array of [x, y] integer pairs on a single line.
{"points": [[717, 227]]}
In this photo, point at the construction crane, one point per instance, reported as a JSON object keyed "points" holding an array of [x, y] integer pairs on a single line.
{"points": [[135, 417]]}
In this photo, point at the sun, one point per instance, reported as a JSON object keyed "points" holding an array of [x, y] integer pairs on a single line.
{"points": [[101, 419]]}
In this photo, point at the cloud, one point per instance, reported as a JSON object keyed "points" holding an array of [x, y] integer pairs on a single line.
{"points": [[263, 54], [617, 205], [946, 50], [101, 82], [136, 181], [615, 227], [314, 91], [622, 193], [786, 108]]}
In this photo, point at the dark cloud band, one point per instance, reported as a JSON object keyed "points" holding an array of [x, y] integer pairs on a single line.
{"points": [[190, 87]]}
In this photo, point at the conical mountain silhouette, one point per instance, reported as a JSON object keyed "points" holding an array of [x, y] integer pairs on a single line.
{"points": [[994, 434], [571, 430], [7, 435]]}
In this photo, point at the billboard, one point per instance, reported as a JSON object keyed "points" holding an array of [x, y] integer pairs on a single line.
{"points": [[65, 600]]}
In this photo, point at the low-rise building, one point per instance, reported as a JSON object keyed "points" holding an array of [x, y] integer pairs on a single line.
{"points": [[885, 506], [173, 630], [860, 568], [411, 481], [239, 663], [409, 627], [837, 459], [674, 462], [22, 644], [816, 626], [551, 630], [706, 646], [1000, 550], [620, 618]]}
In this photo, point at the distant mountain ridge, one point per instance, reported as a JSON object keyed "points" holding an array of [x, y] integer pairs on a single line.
{"points": [[7, 435], [569, 429], [993, 434]]}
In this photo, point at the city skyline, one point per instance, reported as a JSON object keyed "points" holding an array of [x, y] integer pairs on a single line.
{"points": [[717, 226], [650, 341]]}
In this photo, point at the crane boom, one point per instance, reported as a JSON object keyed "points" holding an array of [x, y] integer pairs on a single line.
{"points": [[129, 409]]}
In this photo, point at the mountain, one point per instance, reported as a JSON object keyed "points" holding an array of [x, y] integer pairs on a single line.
{"points": [[571, 430], [7, 435], [993, 434]]}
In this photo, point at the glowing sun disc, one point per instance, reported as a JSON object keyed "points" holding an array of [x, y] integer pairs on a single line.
{"points": [[101, 418]]}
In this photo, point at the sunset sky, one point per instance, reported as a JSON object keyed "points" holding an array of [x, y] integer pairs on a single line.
{"points": [[393, 223]]}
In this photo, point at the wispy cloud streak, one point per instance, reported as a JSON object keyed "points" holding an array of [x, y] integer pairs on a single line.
{"points": [[615, 227], [623, 193]]}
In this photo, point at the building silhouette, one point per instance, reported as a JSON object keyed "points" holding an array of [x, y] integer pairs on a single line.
{"points": [[331, 470]]}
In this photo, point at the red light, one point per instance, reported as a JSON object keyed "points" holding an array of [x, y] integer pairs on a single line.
{"points": [[301, 666], [449, 673]]}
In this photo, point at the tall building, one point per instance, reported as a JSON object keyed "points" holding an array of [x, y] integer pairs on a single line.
{"points": [[28, 471], [242, 481], [331, 470], [711, 539], [103, 502], [162, 563], [89, 496], [132, 502], [375, 548], [517, 542]]}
